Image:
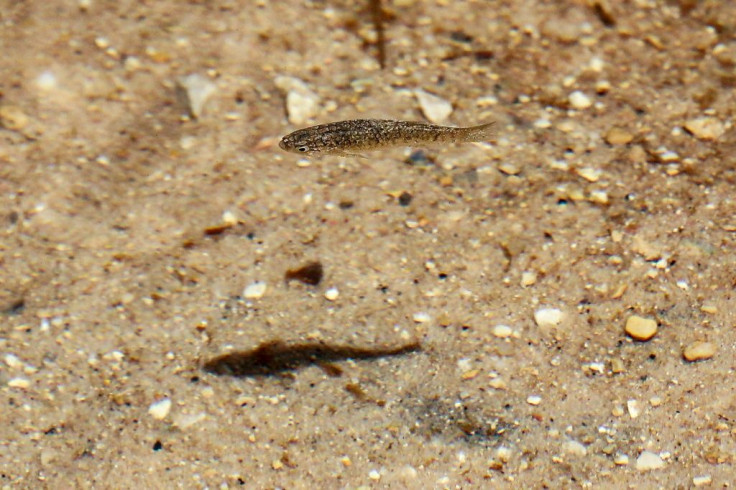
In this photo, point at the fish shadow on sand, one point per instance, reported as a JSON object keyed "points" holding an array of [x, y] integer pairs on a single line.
{"points": [[274, 358]]}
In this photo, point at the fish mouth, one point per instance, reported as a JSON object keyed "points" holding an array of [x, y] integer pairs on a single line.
{"points": [[282, 145]]}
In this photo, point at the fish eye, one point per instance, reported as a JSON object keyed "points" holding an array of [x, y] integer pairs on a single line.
{"points": [[302, 148]]}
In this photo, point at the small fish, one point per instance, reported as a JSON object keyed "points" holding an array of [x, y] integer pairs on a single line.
{"points": [[346, 138]]}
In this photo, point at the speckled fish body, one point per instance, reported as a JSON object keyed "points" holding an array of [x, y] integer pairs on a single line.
{"points": [[360, 135]]}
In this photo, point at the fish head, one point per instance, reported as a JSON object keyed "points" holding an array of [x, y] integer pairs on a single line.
{"points": [[301, 142]]}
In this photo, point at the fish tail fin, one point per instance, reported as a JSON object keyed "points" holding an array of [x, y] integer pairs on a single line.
{"points": [[481, 133]]}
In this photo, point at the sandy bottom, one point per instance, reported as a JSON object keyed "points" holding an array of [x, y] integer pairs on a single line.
{"points": [[182, 304]]}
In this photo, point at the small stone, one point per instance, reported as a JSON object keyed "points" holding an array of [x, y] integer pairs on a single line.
{"points": [[618, 136], [160, 409], [434, 108], [302, 103], [132, 63], [102, 42], [13, 361], [617, 365], [599, 196], [575, 448], [548, 317], [666, 155], [648, 460], [374, 475], [408, 472], [502, 331], [634, 408], [277, 464], [534, 400], [700, 481], [503, 454], [186, 420], [47, 81], [578, 100], [255, 290], [528, 278], [197, 90], [509, 168], [699, 351], [229, 218], [650, 251], [464, 364], [345, 460], [13, 118], [621, 459], [705, 128], [332, 294], [21, 383], [640, 328], [589, 174], [710, 309], [421, 317]]}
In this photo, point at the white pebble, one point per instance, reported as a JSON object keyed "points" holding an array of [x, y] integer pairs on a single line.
{"points": [[548, 317], [255, 290], [534, 400], [590, 174], [160, 409], [503, 454], [332, 294], [12, 361], [102, 42], [502, 331], [596, 64], [301, 106], [621, 459], [575, 448], [599, 196], [198, 90], [700, 481], [21, 383], [578, 100], [434, 108], [229, 218], [421, 317], [374, 475], [528, 278], [46, 81], [648, 460], [408, 472], [302, 103], [634, 408], [464, 364], [184, 421]]}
